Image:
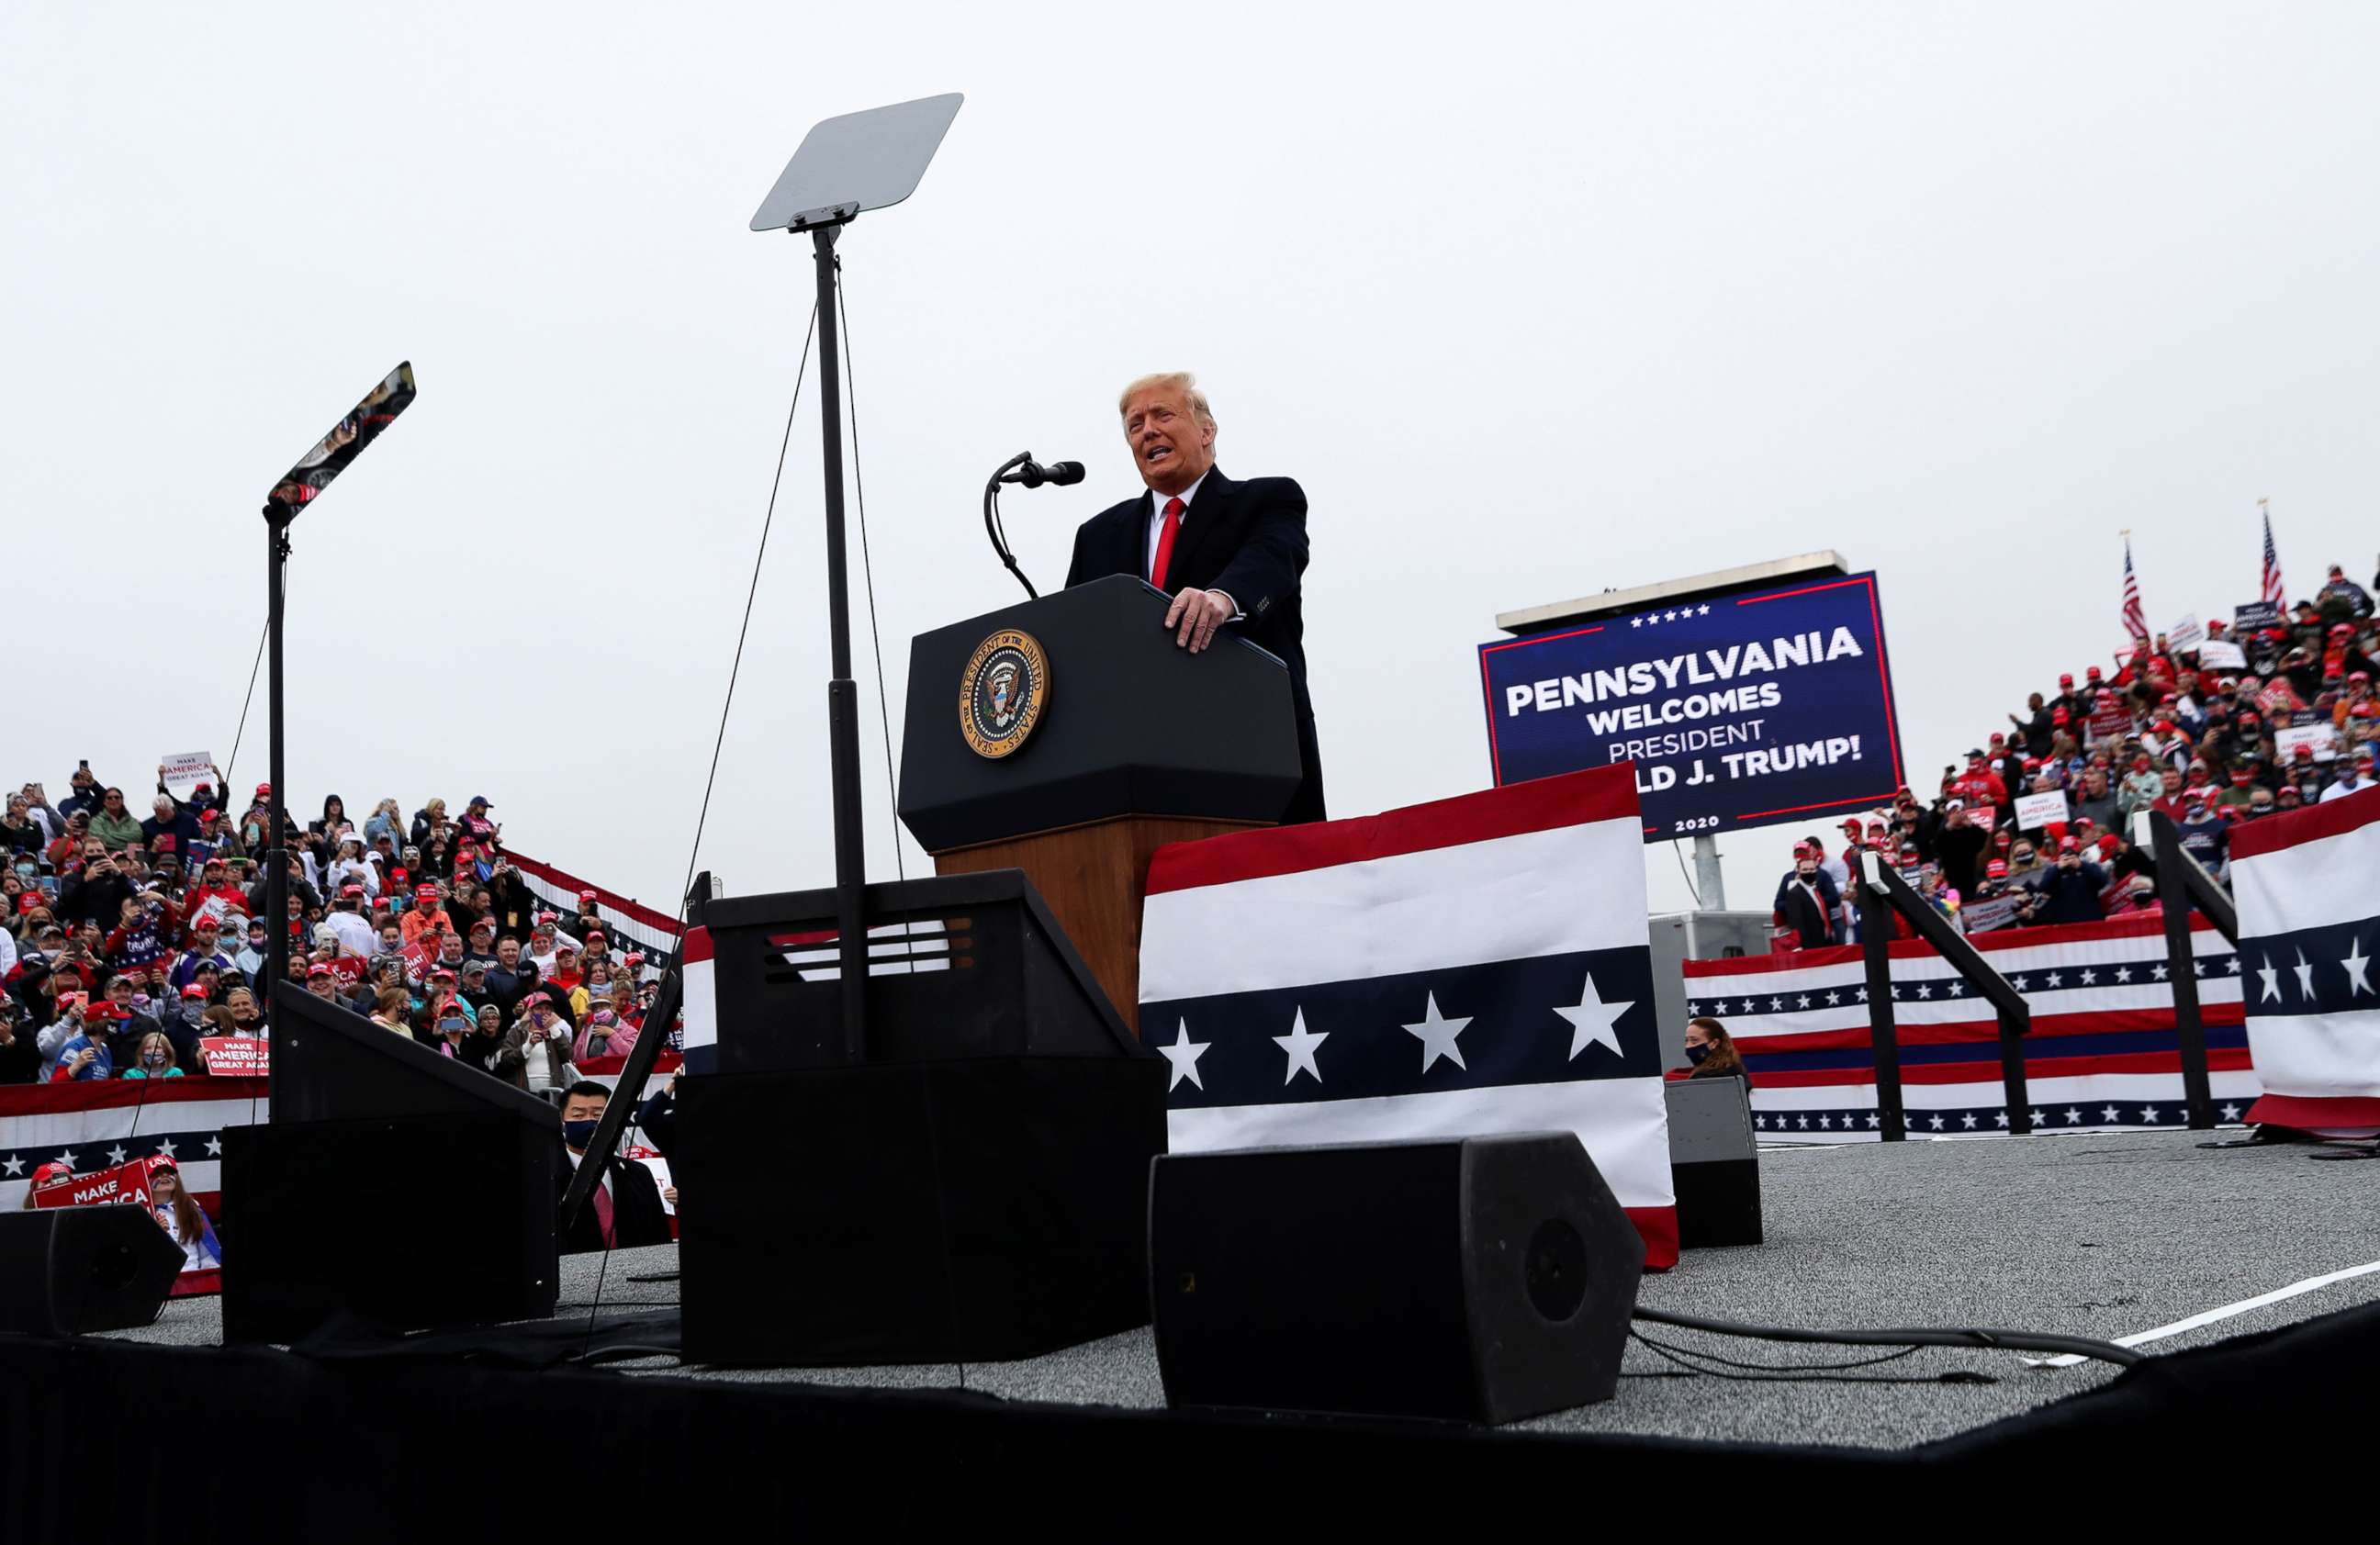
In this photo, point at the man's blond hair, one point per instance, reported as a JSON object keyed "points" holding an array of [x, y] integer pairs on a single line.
{"points": [[1172, 380]]}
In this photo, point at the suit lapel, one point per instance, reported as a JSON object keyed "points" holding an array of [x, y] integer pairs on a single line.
{"points": [[1206, 511], [1135, 536]]}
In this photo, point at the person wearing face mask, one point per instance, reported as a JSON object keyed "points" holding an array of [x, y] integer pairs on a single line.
{"points": [[537, 1051], [1807, 902], [625, 1209], [154, 1059], [1712, 1051]]}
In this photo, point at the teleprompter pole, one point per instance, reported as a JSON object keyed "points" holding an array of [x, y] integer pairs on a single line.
{"points": [[1876, 947], [276, 856], [842, 693]]}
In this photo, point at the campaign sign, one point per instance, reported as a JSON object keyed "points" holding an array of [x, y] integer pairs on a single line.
{"points": [[125, 1183], [185, 770], [1738, 710], [2255, 615], [2221, 654], [236, 1056], [2036, 811]]}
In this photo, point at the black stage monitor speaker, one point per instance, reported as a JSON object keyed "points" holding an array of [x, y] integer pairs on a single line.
{"points": [[392, 1181], [1714, 1162], [67, 1271], [981, 1209], [1480, 1279]]}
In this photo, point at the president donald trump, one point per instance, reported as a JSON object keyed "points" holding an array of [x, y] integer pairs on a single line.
{"points": [[1229, 553]]}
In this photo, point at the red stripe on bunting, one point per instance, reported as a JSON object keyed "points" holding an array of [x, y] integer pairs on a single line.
{"points": [[49, 1099], [2220, 1059], [1915, 949], [2316, 1113], [1659, 1228], [2312, 824], [1540, 805], [2107, 1021]]}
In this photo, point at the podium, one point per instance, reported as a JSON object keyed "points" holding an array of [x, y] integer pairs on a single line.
{"points": [[1070, 738]]}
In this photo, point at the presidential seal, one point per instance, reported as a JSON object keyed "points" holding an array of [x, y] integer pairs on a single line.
{"points": [[1003, 692]]}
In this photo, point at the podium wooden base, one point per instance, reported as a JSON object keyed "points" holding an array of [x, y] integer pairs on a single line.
{"points": [[1094, 878]]}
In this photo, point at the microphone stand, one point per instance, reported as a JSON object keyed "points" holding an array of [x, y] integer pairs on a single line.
{"points": [[992, 523]]}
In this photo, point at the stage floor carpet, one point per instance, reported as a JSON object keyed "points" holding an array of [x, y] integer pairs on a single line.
{"points": [[2104, 1235]]}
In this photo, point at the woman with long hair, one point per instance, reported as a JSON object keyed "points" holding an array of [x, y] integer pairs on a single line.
{"points": [[429, 817], [334, 810], [385, 817], [1712, 1051], [153, 1059], [181, 1217], [391, 1009]]}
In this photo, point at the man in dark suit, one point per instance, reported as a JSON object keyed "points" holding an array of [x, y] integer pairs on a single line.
{"points": [[1229, 553], [626, 1208]]}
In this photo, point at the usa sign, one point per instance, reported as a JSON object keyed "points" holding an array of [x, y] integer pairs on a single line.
{"points": [[1738, 710]]}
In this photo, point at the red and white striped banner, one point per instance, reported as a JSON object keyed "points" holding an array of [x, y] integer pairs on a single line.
{"points": [[2103, 1051]]}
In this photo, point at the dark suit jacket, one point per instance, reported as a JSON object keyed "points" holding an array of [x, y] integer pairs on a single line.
{"points": [[1247, 541], [636, 1215]]}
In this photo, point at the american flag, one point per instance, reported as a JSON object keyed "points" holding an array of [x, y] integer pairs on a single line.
{"points": [[1476, 965], [2102, 1054], [2136, 627], [2272, 590]]}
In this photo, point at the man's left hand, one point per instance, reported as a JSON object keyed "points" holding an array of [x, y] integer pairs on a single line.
{"points": [[1194, 616]]}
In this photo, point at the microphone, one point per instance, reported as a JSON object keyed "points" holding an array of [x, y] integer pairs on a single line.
{"points": [[1033, 474]]}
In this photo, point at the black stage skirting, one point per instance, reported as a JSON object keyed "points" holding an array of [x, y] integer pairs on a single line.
{"points": [[113, 1440]]}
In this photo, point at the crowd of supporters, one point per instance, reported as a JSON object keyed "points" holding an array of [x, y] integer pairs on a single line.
{"points": [[2283, 715], [132, 937]]}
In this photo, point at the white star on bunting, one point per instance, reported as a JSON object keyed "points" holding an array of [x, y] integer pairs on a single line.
{"points": [[2123, 973], [2270, 975], [2305, 976], [166, 1148], [14, 1166], [2073, 1115], [1300, 1044], [2157, 971], [1593, 1023], [2109, 1113], [2358, 965], [214, 1146], [117, 1155], [2230, 1113], [1183, 1054], [1968, 1122], [1437, 1033]]}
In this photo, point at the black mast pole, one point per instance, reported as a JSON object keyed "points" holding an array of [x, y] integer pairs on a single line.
{"points": [[277, 855], [842, 693]]}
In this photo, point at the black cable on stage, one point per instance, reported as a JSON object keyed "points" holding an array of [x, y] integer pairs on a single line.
{"points": [[702, 818], [1989, 1340], [868, 572], [1814, 1374]]}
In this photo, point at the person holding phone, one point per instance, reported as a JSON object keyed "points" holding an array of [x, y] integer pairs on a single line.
{"points": [[177, 1212], [537, 1051]]}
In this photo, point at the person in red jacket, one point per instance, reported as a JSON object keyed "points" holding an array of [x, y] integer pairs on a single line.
{"points": [[214, 881]]}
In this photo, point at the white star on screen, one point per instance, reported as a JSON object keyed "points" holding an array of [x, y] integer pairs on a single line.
{"points": [[1300, 1044], [2270, 975], [1438, 1033], [1703, 611], [1635, 621], [2305, 976], [1593, 1023], [1183, 1054]]}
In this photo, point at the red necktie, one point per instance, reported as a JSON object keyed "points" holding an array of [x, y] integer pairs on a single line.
{"points": [[1165, 542], [602, 1199]]}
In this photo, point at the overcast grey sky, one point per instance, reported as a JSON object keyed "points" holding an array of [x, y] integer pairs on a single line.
{"points": [[1534, 300]]}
